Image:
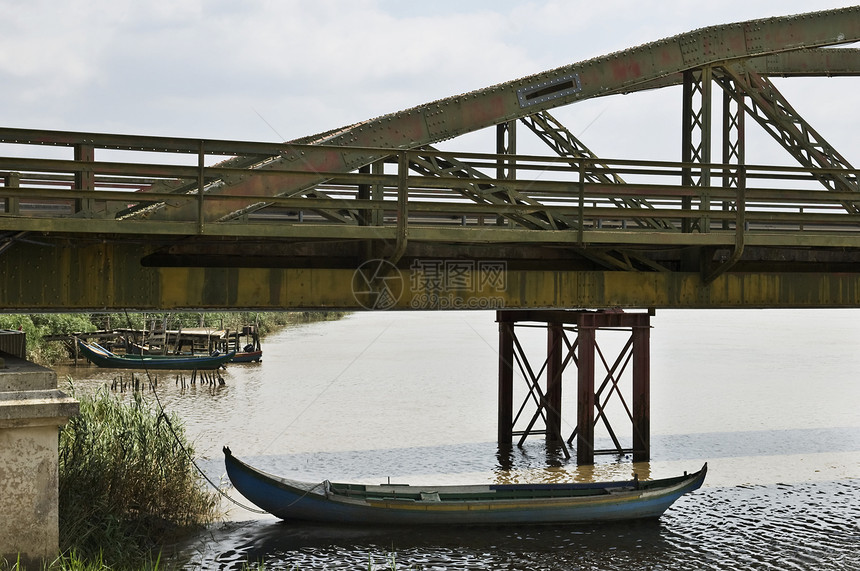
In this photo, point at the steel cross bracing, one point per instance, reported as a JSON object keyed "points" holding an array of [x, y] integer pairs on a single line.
{"points": [[545, 410], [774, 113], [380, 188], [481, 188], [697, 120], [573, 348], [565, 144]]}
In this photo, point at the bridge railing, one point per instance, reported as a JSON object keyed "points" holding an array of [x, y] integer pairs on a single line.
{"points": [[70, 182]]}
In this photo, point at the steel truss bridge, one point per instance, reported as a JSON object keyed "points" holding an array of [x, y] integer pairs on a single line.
{"points": [[378, 215]]}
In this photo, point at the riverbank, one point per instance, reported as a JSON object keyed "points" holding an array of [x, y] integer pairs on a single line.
{"points": [[39, 327], [127, 479]]}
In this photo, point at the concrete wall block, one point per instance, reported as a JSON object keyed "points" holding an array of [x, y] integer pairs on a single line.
{"points": [[21, 375], [31, 412], [29, 494]]}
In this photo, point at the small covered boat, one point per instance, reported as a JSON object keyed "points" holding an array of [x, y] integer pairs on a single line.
{"points": [[248, 354], [101, 357], [486, 504], [246, 344]]}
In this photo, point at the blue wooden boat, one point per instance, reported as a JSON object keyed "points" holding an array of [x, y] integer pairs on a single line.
{"points": [[488, 504], [101, 357]]}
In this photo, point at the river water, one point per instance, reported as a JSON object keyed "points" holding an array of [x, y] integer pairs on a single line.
{"points": [[768, 398]]}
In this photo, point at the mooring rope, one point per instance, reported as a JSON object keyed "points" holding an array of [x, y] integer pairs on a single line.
{"points": [[217, 488], [191, 459]]}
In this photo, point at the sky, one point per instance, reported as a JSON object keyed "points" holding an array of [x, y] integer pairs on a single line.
{"points": [[275, 70]]}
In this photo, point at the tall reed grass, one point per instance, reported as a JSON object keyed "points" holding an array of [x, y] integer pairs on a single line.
{"points": [[127, 483]]}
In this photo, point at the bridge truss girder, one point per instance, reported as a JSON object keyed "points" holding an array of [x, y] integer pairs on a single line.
{"points": [[774, 113], [380, 189], [106, 275], [747, 92], [631, 70]]}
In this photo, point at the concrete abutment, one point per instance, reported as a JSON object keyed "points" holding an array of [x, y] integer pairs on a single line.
{"points": [[32, 410]]}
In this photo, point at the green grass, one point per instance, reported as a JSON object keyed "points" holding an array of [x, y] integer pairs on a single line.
{"points": [[127, 484], [73, 561]]}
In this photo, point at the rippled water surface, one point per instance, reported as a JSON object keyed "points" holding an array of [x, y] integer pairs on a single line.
{"points": [[768, 398]]}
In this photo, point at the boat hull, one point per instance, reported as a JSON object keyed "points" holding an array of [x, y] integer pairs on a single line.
{"points": [[489, 505], [247, 357], [103, 358]]}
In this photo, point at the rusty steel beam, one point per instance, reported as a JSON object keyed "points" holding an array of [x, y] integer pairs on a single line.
{"points": [[104, 275], [481, 189], [641, 393], [773, 112], [829, 62], [696, 143], [554, 369], [734, 153], [465, 113], [84, 178], [566, 144], [816, 62], [585, 399], [11, 204], [506, 384]]}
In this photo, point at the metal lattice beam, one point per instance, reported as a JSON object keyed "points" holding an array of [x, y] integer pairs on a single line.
{"points": [[773, 112], [628, 70], [565, 144], [482, 191]]}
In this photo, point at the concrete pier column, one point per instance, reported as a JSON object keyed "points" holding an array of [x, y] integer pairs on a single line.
{"points": [[31, 412]]}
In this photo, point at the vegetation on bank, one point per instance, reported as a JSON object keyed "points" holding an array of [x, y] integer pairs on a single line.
{"points": [[127, 486], [127, 481], [41, 325]]}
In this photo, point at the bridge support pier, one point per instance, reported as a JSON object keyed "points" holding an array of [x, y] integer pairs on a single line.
{"points": [[31, 411], [593, 405]]}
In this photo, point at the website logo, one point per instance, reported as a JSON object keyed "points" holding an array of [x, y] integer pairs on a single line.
{"points": [[377, 284], [433, 284]]}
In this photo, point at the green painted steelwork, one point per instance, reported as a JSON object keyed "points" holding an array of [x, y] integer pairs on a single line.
{"points": [[174, 223], [108, 276]]}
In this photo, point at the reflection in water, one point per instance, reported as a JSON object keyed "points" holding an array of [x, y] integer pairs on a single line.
{"points": [[812, 526], [540, 462], [449, 464]]}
